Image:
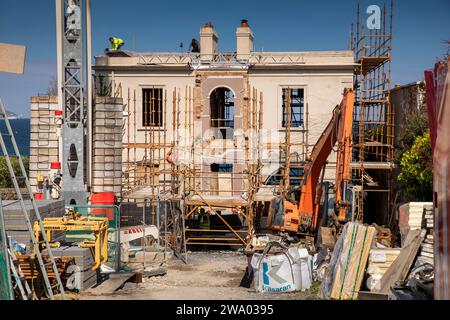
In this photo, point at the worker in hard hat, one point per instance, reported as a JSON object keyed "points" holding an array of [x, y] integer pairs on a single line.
{"points": [[116, 43], [203, 219]]}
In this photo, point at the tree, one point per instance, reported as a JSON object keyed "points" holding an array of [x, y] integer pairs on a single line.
{"points": [[5, 178], [416, 170], [416, 124], [52, 89]]}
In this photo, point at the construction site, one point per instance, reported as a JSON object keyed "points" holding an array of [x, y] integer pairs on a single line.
{"points": [[213, 175]]}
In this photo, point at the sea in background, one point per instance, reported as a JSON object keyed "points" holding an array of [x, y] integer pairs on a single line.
{"points": [[21, 129]]}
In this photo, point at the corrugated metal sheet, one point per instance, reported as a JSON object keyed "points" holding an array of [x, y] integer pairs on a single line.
{"points": [[438, 104]]}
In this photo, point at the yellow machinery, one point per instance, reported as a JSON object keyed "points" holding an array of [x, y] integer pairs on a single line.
{"points": [[73, 221]]}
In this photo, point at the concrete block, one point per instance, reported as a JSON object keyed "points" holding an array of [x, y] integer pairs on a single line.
{"points": [[47, 144], [100, 101], [104, 129]]}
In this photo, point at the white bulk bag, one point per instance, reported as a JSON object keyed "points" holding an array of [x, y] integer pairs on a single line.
{"points": [[284, 272]]}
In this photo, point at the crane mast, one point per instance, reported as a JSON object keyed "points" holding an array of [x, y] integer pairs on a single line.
{"points": [[72, 17]]}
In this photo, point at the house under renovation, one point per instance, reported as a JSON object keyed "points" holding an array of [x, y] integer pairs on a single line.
{"points": [[210, 129]]}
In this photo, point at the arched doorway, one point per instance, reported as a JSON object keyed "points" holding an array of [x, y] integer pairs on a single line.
{"points": [[222, 112]]}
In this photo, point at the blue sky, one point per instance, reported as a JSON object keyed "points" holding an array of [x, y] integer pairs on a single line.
{"points": [[283, 25]]}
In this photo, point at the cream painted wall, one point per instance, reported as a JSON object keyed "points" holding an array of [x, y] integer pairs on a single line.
{"points": [[139, 81], [323, 91]]}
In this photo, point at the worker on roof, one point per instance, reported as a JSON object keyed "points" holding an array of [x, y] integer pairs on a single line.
{"points": [[194, 46], [116, 43]]}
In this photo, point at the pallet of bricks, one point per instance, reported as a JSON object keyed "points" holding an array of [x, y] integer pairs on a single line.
{"points": [[80, 276], [107, 145], [15, 224], [44, 145]]}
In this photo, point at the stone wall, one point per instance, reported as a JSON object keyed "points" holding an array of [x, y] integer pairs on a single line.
{"points": [[44, 136], [107, 145]]}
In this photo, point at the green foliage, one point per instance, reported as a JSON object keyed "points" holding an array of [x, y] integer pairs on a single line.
{"points": [[5, 178], [416, 169], [416, 124]]}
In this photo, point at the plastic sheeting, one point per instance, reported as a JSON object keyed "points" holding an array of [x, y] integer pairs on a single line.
{"points": [[348, 262]]}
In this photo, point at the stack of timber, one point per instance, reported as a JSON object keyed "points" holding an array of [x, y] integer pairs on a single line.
{"points": [[44, 132], [15, 224], [29, 265], [380, 259], [348, 262], [83, 276], [427, 247], [107, 145]]}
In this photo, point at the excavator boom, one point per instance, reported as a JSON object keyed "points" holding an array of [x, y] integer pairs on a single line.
{"points": [[304, 216], [340, 126]]}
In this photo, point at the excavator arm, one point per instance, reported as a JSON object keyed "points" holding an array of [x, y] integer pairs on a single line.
{"points": [[344, 158], [304, 216], [339, 127]]}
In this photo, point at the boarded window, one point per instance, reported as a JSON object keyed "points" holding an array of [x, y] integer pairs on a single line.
{"points": [[152, 107], [222, 167], [297, 106]]}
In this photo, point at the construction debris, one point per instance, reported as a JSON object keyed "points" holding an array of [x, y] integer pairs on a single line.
{"points": [[400, 268], [114, 282]]}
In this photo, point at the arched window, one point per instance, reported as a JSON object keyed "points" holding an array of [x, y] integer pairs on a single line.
{"points": [[222, 112]]}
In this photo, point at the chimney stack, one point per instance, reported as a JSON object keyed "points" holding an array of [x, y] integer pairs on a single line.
{"points": [[208, 42], [244, 41]]}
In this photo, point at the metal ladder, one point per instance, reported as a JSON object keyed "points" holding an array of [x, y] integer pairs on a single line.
{"points": [[19, 277], [4, 251], [37, 245]]}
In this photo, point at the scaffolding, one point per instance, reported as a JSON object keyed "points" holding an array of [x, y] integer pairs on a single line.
{"points": [[225, 199], [294, 150], [150, 183], [145, 168], [168, 157], [373, 126]]}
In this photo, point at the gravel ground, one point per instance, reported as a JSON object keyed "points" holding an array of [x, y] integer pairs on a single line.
{"points": [[208, 275]]}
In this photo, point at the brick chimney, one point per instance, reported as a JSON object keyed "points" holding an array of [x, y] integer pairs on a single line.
{"points": [[208, 42], [244, 41]]}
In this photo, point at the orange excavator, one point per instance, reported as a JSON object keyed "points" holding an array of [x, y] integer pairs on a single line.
{"points": [[284, 213]]}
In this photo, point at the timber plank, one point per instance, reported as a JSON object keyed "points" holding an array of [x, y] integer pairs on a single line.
{"points": [[399, 269]]}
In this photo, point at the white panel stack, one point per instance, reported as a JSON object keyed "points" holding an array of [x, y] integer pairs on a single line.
{"points": [[44, 140], [411, 216], [380, 259], [427, 246], [107, 145]]}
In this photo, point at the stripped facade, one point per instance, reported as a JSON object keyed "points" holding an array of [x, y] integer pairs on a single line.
{"points": [[208, 97]]}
